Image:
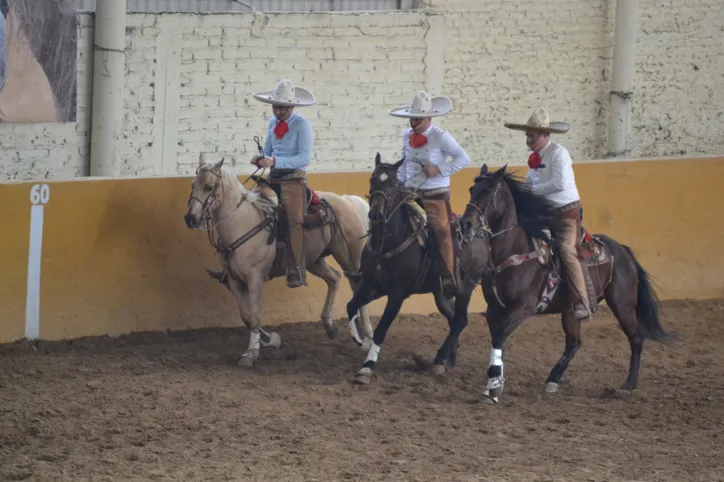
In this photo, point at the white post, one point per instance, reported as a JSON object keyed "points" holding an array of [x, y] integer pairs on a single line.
{"points": [[624, 68], [108, 85], [39, 197]]}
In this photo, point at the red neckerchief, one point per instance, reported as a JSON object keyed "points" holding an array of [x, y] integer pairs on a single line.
{"points": [[280, 129], [534, 160], [417, 140]]}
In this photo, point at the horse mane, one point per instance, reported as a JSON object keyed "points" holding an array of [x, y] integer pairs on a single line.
{"points": [[536, 214], [254, 196]]}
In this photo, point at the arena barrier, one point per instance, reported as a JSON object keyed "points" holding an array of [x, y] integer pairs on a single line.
{"points": [[113, 256]]}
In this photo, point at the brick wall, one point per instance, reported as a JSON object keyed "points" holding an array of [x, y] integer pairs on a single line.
{"points": [[679, 83], [189, 79], [505, 58]]}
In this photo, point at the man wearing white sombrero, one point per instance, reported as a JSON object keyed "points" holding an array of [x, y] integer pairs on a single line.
{"points": [[287, 150], [550, 174], [425, 149]]}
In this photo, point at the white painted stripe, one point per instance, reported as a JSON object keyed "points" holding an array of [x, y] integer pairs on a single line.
{"points": [[32, 308]]}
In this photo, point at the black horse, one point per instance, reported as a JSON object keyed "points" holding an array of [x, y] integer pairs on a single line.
{"points": [[400, 259]]}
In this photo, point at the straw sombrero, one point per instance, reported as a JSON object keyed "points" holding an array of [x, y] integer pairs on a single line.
{"points": [[424, 106], [540, 121], [286, 94]]}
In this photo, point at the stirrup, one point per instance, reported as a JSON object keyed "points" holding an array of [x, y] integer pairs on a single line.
{"points": [[450, 283], [300, 280], [219, 276], [581, 310]]}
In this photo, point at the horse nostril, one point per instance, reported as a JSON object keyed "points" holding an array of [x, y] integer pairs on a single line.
{"points": [[189, 221]]}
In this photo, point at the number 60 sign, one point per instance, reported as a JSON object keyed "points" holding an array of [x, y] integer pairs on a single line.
{"points": [[39, 194]]}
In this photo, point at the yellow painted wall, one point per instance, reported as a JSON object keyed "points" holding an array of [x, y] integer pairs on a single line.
{"points": [[117, 256]]}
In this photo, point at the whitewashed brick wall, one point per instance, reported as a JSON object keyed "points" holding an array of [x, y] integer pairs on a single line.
{"points": [[679, 83], [504, 57], [189, 79]]}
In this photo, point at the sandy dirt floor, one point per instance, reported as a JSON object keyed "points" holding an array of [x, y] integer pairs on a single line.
{"points": [[176, 407]]}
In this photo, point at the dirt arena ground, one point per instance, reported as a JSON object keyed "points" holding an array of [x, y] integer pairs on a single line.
{"points": [[176, 407]]}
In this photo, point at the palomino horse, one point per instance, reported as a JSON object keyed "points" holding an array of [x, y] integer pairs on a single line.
{"points": [[400, 260], [247, 224], [525, 278]]}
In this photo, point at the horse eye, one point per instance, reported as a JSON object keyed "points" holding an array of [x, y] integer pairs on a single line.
{"points": [[207, 188]]}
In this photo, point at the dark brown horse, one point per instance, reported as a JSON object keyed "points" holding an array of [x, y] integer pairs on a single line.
{"points": [[400, 259], [527, 276]]}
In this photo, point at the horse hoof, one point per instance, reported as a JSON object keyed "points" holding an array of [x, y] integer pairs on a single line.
{"points": [[551, 387], [487, 399], [363, 377], [332, 332], [275, 341], [249, 358], [438, 370], [624, 391], [246, 362]]}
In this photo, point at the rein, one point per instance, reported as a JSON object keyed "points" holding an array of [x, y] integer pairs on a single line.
{"points": [[412, 194], [387, 217], [210, 226], [484, 230]]}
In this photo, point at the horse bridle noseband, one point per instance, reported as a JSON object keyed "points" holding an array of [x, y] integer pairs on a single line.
{"points": [[210, 199], [484, 228]]}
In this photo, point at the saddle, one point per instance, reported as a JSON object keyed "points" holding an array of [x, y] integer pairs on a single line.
{"points": [[426, 238], [591, 251], [318, 213]]}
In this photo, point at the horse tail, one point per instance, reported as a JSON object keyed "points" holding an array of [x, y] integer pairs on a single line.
{"points": [[363, 209], [647, 306]]}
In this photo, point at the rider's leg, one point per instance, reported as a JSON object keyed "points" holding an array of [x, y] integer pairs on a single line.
{"points": [[569, 255], [294, 203], [438, 217]]}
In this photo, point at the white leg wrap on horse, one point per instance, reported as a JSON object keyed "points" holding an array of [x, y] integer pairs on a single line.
{"points": [[373, 354], [254, 340], [496, 359], [494, 383], [353, 329]]}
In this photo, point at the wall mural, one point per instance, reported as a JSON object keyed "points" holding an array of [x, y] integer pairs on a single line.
{"points": [[38, 54]]}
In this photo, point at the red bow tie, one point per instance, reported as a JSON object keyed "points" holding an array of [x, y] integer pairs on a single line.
{"points": [[280, 129], [417, 140], [534, 160]]}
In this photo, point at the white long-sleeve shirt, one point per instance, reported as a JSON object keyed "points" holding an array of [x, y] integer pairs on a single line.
{"points": [[440, 145], [554, 179]]}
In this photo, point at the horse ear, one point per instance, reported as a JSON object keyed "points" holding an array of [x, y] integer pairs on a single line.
{"points": [[399, 163], [218, 165], [500, 172], [202, 159], [484, 169], [378, 159]]}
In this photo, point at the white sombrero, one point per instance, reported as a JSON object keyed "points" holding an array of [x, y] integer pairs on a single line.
{"points": [[540, 121], [286, 94], [424, 106]]}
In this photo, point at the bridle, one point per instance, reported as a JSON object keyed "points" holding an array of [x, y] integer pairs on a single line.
{"points": [[207, 222], [483, 229], [388, 201]]}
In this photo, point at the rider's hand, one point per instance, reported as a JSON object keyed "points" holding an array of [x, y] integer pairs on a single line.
{"points": [[431, 170], [265, 162], [255, 160]]}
